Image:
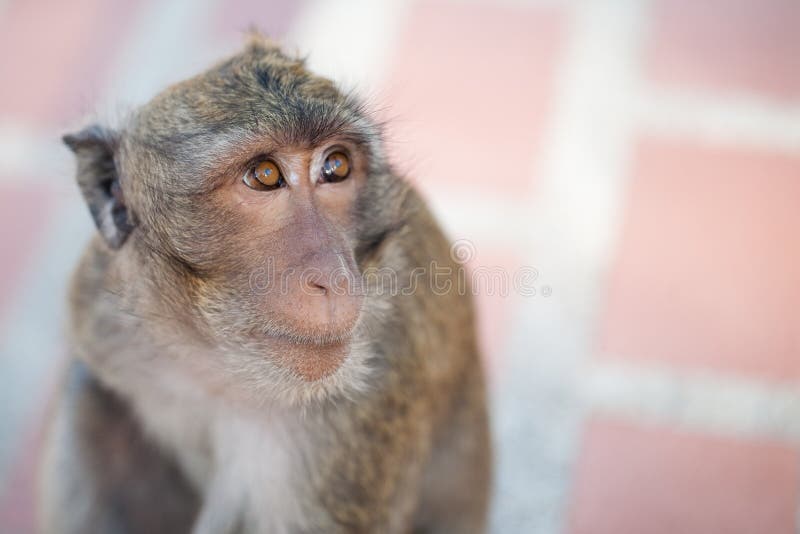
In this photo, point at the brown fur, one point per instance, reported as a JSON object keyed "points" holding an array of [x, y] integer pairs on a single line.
{"points": [[212, 404]]}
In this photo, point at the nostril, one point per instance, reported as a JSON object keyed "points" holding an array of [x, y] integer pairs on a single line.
{"points": [[322, 289], [312, 282]]}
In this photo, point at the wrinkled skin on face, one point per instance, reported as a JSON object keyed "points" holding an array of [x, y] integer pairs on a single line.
{"points": [[268, 283]]}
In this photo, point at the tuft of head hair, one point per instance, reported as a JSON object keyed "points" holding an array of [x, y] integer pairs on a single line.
{"points": [[257, 42]]}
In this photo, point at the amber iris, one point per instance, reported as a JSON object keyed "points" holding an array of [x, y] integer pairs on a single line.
{"points": [[336, 167], [264, 176]]}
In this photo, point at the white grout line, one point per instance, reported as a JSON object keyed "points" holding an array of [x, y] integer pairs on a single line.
{"points": [[573, 222], [349, 41], [517, 3], [24, 153], [696, 399], [745, 121], [468, 214], [164, 48]]}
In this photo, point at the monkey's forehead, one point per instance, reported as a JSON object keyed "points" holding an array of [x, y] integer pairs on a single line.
{"points": [[299, 124], [257, 92]]}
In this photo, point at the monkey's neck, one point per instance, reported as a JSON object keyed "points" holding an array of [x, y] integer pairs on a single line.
{"points": [[236, 458]]}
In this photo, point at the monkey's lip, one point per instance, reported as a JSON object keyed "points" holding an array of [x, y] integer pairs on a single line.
{"points": [[311, 359], [310, 337], [324, 340]]}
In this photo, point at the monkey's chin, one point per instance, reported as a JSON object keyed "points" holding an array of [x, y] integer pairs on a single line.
{"points": [[311, 361]]}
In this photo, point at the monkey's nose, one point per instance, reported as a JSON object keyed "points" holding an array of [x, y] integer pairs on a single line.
{"points": [[329, 301], [315, 287]]}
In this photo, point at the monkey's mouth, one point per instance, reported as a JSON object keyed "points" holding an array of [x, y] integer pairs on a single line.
{"points": [[316, 339], [285, 333], [312, 359]]}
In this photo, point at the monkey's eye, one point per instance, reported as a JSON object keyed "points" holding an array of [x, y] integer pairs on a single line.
{"points": [[265, 176], [336, 167]]}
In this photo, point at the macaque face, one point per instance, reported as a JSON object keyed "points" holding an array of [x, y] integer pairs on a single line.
{"points": [[299, 204], [246, 182], [288, 279]]}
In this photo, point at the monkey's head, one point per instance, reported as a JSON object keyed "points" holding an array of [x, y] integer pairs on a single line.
{"points": [[237, 207]]}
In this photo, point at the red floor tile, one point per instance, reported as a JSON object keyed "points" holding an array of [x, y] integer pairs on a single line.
{"points": [[652, 480], [708, 267], [748, 45], [18, 501], [468, 94], [56, 54]]}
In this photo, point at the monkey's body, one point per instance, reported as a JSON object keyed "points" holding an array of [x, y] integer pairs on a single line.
{"points": [[165, 428]]}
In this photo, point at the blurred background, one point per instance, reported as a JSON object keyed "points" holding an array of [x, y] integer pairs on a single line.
{"points": [[643, 156]]}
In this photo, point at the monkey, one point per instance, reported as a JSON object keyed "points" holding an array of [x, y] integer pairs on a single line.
{"points": [[237, 363]]}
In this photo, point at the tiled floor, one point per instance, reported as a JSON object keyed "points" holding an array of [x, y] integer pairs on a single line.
{"points": [[640, 478], [706, 274], [641, 157]]}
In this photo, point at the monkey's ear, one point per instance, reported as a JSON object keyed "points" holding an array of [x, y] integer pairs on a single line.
{"points": [[98, 179]]}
